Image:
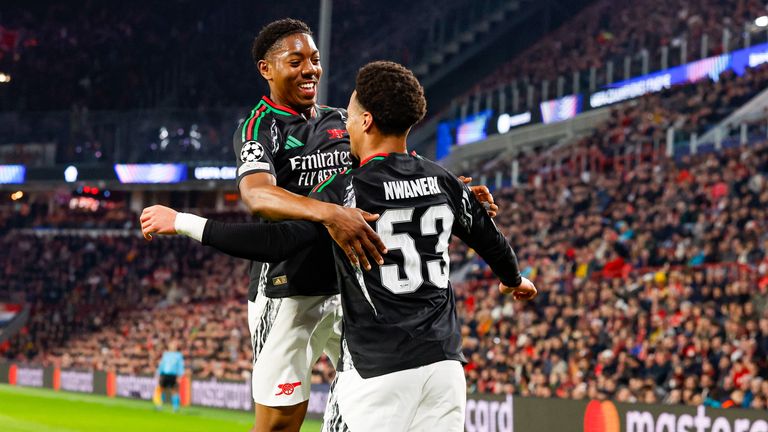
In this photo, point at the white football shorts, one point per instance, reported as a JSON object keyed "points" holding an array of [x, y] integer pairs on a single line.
{"points": [[427, 398], [288, 336]]}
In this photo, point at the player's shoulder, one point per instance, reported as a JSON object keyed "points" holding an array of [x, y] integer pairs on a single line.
{"points": [[434, 169], [325, 110], [331, 114]]}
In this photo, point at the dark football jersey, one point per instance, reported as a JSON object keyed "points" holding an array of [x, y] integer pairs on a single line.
{"points": [[300, 153], [402, 314]]}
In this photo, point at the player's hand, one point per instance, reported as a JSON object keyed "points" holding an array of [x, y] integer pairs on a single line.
{"points": [[349, 228], [526, 291], [483, 195], [158, 220]]}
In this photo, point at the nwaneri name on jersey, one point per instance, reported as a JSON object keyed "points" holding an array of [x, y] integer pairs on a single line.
{"points": [[402, 189]]}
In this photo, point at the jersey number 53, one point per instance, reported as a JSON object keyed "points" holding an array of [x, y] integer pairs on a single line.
{"points": [[437, 270]]}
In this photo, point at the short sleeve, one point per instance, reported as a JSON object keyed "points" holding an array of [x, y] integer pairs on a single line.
{"points": [[256, 143]]}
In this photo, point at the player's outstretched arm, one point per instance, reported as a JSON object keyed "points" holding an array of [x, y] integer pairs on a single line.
{"points": [[348, 227], [256, 241], [475, 227]]}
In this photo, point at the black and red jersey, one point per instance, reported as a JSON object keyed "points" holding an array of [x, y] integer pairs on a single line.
{"points": [[402, 314], [300, 153]]}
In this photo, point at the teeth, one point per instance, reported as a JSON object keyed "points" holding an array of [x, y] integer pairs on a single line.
{"points": [[308, 86]]}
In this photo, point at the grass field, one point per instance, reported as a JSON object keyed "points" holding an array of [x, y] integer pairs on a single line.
{"points": [[35, 410]]}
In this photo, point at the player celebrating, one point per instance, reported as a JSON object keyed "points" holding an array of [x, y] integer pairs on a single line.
{"points": [[400, 367], [286, 145]]}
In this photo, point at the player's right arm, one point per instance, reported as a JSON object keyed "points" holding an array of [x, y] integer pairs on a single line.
{"points": [[267, 242], [475, 227], [256, 176]]}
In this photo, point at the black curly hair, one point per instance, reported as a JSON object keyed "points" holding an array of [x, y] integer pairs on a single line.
{"points": [[271, 33], [393, 96]]}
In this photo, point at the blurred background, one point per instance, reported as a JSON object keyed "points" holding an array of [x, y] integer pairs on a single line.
{"points": [[626, 143]]}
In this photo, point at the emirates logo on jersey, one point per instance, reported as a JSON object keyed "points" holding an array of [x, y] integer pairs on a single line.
{"points": [[287, 388]]}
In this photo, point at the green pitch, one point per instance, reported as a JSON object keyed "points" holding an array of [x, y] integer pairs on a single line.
{"points": [[35, 410]]}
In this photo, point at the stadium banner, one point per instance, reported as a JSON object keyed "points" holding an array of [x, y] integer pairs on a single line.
{"points": [[12, 174], [222, 394], [484, 413], [318, 397], [557, 110], [28, 376], [134, 386], [737, 61], [213, 173], [497, 413], [460, 132], [151, 173], [73, 380]]}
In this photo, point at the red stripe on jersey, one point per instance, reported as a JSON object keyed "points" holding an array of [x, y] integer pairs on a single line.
{"points": [[368, 159], [280, 107], [249, 127]]}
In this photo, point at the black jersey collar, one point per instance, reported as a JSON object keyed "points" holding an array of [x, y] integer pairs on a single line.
{"points": [[376, 156], [380, 156]]}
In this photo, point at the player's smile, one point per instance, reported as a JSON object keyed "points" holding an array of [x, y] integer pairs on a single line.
{"points": [[308, 89]]}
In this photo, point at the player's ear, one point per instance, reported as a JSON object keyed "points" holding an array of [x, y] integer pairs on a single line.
{"points": [[367, 121], [265, 69]]}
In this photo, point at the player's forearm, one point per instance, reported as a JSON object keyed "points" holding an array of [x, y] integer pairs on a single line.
{"points": [[503, 261], [261, 241], [256, 241], [276, 203]]}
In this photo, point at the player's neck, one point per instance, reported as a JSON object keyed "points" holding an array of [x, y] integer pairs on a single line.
{"points": [[383, 144]]}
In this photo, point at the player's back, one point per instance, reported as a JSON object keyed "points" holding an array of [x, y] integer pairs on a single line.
{"points": [[402, 314]]}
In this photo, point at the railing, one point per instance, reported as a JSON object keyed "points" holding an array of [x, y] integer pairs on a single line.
{"points": [[573, 160], [518, 95]]}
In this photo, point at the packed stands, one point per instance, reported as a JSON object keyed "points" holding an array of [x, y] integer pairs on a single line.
{"points": [[647, 276]]}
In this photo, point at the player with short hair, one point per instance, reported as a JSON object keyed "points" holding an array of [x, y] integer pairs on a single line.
{"points": [[170, 369], [401, 348], [284, 147]]}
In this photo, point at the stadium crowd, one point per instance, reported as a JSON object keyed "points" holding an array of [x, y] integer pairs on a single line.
{"points": [[653, 288]]}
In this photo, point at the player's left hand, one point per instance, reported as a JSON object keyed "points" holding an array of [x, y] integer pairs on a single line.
{"points": [[524, 292], [483, 195], [158, 219], [349, 228]]}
